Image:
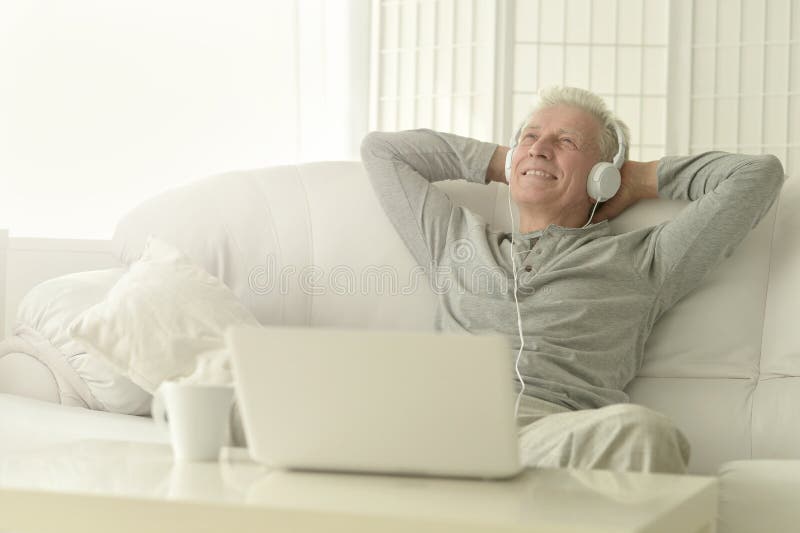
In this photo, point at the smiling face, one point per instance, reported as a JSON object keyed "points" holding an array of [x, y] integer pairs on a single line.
{"points": [[557, 149]]}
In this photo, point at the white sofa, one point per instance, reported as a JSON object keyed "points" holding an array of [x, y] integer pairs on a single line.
{"points": [[306, 244]]}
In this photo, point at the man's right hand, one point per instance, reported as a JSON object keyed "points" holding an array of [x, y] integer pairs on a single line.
{"points": [[496, 171]]}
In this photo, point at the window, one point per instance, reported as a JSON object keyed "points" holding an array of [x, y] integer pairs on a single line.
{"points": [[685, 75], [107, 103]]}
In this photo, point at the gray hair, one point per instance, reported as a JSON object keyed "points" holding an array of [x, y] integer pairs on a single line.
{"points": [[595, 106]]}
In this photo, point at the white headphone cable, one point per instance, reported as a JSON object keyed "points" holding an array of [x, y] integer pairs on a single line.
{"points": [[516, 303], [593, 209], [516, 299]]}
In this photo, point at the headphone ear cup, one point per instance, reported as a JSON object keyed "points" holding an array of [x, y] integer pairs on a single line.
{"points": [[509, 155], [603, 181]]}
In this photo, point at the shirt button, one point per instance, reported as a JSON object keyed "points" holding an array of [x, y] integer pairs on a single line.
{"points": [[538, 252], [528, 268]]}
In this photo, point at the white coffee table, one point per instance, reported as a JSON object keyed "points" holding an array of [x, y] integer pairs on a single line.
{"points": [[120, 486]]}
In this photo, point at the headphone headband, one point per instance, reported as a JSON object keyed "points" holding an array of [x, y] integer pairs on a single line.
{"points": [[622, 147]]}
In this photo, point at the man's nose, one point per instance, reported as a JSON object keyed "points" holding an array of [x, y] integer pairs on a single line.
{"points": [[542, 147]]}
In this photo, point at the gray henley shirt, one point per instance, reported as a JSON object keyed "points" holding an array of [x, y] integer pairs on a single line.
{"points": [[588, 298]]}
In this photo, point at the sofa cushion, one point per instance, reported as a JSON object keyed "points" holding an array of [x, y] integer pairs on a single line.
{"points": [[297, 245], [781, 346]]}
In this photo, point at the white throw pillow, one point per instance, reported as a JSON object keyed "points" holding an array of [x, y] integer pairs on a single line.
{"points": [[42, 322], [164, 319]]}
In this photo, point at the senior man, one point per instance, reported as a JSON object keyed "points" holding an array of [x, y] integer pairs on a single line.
{"points": [[585, 300]]}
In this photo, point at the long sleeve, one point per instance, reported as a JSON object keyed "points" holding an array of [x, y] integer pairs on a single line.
{"points": [[402, 166], [729, 195]]}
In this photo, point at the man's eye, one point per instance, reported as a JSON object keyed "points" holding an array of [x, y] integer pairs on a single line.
{"points": [[568, 142]]}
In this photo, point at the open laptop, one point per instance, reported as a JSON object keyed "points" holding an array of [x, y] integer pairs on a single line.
{"points": [[409, 403]]}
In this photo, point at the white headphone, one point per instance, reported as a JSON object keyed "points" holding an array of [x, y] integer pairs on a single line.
{"points": [[604, 178]]}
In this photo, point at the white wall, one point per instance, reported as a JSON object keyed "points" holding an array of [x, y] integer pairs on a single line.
{"points": [[103, 104]]}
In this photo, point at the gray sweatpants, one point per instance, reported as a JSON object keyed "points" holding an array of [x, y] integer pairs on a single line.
{"points": [[624, 437]]}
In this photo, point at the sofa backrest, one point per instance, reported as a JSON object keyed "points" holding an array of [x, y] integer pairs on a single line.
{"points": [[310, 244]]}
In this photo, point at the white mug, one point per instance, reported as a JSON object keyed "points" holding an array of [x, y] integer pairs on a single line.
{"points": [[199, 418]]}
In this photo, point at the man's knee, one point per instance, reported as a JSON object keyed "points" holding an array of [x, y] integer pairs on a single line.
{"points": [[629, 415], [649, 434]]}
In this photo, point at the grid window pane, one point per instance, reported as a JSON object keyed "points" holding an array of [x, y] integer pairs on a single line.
{"points": [[656, 15], [483, 70], [408, 25], [406, 113], [628, 110], [649, 153], [702, 122], [463, 69], [425, 74], [526, 20], [703, 71], [444, 23], [603, 50], [752, 69], [522, 104], [443, 106], [727, 121], [603, 70], [778, 19], [390, 16], [484, 11], [424, 78], [482, 123], [630, 21], [753, 13], [427, 23], [408, 73], [794, 122], [776, 109], [442, 74], [654, 114], [629, 71], [424, 118], [729, 27], [795, 33], [727, 81], [388, 115], [705, 22], [461, 115], [463, 22], [750, 120], [577, 66], [603, 21], [795, 64], [388, 78], [551, 23], [793, 160], [551, 69], [525, 67], [654, 75], [777, 76], [577, 20]]}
